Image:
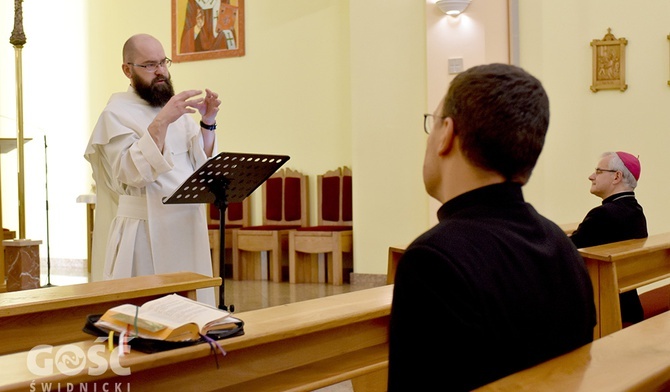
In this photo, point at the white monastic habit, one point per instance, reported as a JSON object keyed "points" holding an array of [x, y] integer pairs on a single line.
{"points": [[134, 231]]}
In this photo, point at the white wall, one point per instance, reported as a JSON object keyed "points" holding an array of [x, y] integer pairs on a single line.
{"points": [[388, 94], [333, 82], [55, 105], [478, 36], [555, 46], [327, 85]]}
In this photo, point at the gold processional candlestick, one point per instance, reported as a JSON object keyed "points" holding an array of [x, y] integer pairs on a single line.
{"points": [[18, 39]]}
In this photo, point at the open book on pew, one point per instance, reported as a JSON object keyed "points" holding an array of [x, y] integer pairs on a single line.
{"points": [[171, 318]]}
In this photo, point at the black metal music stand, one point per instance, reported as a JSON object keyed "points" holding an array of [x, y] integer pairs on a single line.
{"points": [[227, 177]]}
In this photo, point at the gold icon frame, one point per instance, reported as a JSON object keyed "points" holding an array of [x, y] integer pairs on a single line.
{"points": [[609, 63]]}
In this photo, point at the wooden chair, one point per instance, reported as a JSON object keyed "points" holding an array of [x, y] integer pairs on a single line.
{"points": [[237, 215], [332, 236], [284, 208]]}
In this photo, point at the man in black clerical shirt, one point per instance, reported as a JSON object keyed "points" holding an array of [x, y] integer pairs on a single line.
{"points": [[494, 287], [620, 217]]}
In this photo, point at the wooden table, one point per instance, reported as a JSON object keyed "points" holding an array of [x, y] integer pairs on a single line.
{"points": [[300, 346]]}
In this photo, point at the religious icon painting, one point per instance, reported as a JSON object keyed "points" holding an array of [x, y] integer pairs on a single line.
{"points": [[609, 63], [207, 29]]}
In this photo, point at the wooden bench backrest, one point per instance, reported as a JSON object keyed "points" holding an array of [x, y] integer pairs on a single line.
{"points": [[613, 268], [638, 262], [56, 315], [629, 248], [285, 199], [620, 267], [634, 359], [334, 194], [299, 346]]}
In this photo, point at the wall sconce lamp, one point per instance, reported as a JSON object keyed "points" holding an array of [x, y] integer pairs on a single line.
{"points": [[453, 7]]}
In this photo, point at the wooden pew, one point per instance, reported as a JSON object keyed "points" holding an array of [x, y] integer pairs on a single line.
{"points": [[634, 359], [613, 268], [569, 228], [623, 266], [301, 346], [56, 315], [395, 252]]}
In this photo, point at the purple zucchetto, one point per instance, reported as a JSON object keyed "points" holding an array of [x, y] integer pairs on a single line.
{"points": [[631, 162]]}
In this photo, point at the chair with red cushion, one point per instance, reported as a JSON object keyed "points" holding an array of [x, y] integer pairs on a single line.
{"points": [[284, 209], [333, 235]]}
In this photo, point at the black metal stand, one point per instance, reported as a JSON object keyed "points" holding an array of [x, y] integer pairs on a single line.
{"points": [[227, 177], [46, 188]]}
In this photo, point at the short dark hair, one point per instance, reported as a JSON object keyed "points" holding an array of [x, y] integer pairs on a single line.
{"points": [[501, 116]]}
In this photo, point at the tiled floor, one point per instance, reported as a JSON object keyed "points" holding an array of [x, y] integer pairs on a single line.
{"points": [[255, 294], [245, 295]]}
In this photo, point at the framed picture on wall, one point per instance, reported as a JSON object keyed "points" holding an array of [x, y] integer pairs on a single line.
{"points": [[609, 63], [207, 29]]}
